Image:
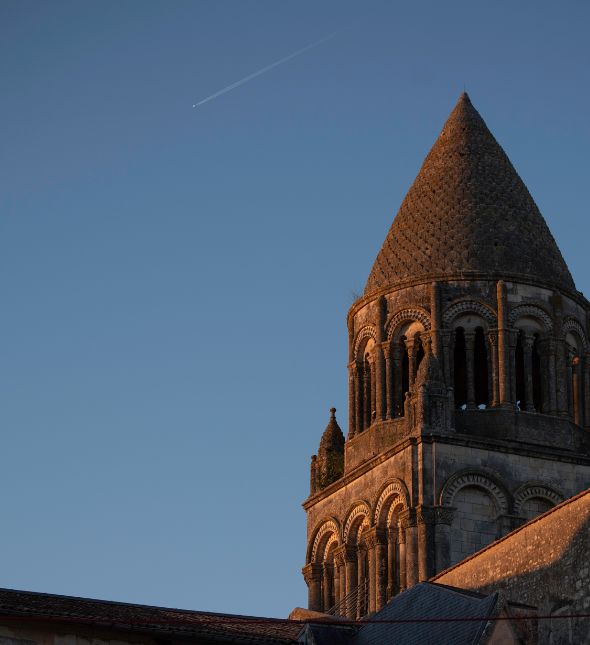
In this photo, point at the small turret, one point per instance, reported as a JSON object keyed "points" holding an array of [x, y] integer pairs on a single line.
{"points": [[429, 372], [429, 404], [328, 466]]}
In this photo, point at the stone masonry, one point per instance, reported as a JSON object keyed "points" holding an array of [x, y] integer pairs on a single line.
{"points": [[469, 383], [545, 564]]}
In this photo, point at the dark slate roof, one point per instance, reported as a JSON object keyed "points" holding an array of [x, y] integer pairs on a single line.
{"points": [[468, 211], [428, 600], [197, 625], [327, 635]]}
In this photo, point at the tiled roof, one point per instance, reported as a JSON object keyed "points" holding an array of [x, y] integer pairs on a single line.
{"points": [[125, 616], [430, 601], [468, 211], [425, 613]]}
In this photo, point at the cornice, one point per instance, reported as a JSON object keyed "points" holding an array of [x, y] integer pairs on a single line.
{"points": [[455, 439], [466, 276]]}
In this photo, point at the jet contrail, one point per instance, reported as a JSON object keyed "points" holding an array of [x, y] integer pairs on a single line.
{"points": [[264, 69]]}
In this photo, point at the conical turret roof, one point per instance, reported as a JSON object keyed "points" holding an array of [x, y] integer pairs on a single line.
{"points": [[468, 212], [332, 439]]}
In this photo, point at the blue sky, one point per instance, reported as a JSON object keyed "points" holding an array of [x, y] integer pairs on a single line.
{"points": [[175, 281]]}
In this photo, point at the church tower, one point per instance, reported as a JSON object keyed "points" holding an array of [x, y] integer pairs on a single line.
{"points": [[469, 383]]}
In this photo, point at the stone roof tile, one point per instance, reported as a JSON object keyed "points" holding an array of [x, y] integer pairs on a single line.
{"points": [[468, 211]]}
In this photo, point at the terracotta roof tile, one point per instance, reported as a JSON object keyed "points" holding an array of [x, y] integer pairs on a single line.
{"points": [[125, 616]]}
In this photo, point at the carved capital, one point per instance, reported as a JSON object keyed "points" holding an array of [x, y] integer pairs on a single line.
{"points": [[345, 553], [374, 536], [493, 337], [434, 514], [411, 345], [386, 347], [528, 341], [312, 572], [425, 515], [407, 518]]}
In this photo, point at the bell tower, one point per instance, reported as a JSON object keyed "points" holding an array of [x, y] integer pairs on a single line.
{"points": [[469, 383]]}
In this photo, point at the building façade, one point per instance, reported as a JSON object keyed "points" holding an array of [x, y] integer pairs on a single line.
{"points": [[469, 383]]}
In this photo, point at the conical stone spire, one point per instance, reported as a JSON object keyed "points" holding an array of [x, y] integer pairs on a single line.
{"points": [[330, 460], [468, 213]]}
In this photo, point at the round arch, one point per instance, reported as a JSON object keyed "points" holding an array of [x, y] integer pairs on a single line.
{"points": [[476, 479], [414, 314], [531, 311], [322, 535], [534, 489], [391, 490], [572, 325], [368, 331], [358, 514], [468, 306]]}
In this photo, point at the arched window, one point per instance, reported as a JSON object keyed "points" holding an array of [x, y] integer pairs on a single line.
{"points": [[480, 362], [460, 376], [574, 348], [537, 382], [520, 372], [328, 590], [474, 525], [407, 353], [405, 372], [368, 391]]}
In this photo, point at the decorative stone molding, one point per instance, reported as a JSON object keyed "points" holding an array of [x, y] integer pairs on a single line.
{"points": [[415, 313], [444, 514], [392, 489], [312, 572], [360, 508], [479, 480], [326, 528], [434, 515], [368, 331], [530, 490], [332, 542], [570, 324], [425, 515], [533, 311], [468, 306]]}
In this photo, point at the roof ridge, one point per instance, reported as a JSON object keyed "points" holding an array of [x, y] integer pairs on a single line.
{"points": [[513, 532], [131, 604]]}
